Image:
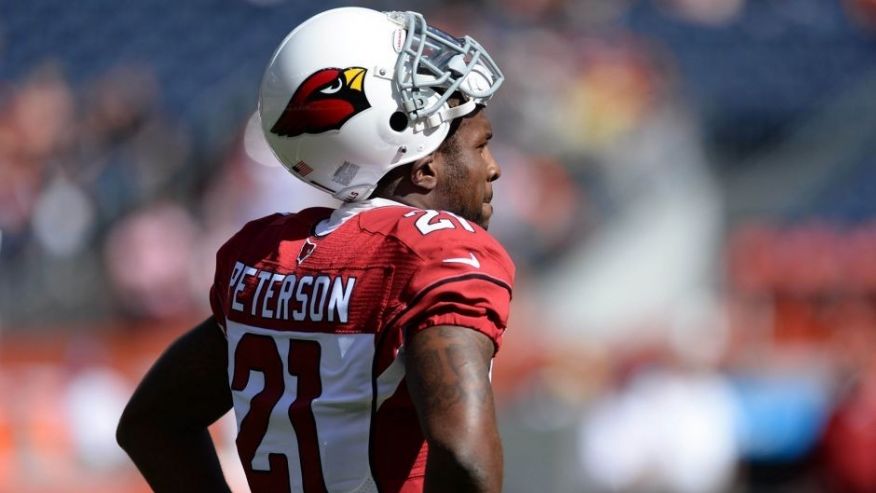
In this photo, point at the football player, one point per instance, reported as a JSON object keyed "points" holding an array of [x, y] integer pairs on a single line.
{"points": [[355, 344]]}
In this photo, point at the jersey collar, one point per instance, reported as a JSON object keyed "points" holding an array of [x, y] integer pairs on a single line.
{"points": [[350, 209]]}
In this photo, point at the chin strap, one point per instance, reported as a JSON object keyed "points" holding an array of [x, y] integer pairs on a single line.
{"points": [[447, 115]]}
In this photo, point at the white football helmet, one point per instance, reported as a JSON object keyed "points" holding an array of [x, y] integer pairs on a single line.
{"points": [[352, 93]]}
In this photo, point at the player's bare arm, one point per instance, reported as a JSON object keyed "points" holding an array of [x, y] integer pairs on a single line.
{"points": [[164, 426], [448, 379]]}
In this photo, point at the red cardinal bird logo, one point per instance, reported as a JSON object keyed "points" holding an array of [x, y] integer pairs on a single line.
{"points": [[324, 101]]}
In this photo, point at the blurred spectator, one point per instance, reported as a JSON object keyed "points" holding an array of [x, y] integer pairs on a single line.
{"points": [[608, 94], [94, 400], [36, 125], [708, 12], [665, 430], [805, 325], [782, 413], [850, 439], [129, 154], [63, 218], [149, 257]]}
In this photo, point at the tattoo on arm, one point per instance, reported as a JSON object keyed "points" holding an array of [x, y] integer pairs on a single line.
{"points": [[448, 379], [452, 373]]}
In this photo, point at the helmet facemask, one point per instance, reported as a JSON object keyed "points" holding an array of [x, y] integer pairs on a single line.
{"points": [[432, 61]]}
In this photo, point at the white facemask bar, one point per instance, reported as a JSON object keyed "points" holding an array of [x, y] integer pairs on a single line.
{"points": [[433, 59]]}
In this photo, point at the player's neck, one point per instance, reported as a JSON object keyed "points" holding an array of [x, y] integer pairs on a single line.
{"points": [[420, 201], [413, 198]]}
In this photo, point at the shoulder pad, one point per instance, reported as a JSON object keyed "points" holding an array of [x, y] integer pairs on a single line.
{"points": [[450, 243]]}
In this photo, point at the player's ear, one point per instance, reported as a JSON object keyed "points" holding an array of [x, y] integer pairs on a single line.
{"points": [[424, 173]]}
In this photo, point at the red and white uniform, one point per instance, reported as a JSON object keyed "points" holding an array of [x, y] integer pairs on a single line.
{"points": [[316, 306]]}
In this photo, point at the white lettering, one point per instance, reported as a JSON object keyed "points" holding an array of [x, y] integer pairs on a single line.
{"points": [[339, 301], [301, 297], [236, 305], [266, 312], [285, 296], [317, 300], [263, 276], [235, 274], [462, 222], [425, 226]]}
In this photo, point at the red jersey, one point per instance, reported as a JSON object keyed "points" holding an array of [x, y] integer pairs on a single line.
{"points": [[316, 307]]}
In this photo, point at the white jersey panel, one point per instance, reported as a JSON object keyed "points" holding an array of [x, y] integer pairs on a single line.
{"points": [[342, 411]]}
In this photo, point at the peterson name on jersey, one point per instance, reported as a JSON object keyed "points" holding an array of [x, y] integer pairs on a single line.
{"points": [[272, 295]]}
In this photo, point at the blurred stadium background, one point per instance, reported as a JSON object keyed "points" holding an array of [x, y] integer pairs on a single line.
{"points": [[689, 192]]}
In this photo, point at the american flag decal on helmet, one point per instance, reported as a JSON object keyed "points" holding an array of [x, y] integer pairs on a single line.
{"points": [[302, 168]]}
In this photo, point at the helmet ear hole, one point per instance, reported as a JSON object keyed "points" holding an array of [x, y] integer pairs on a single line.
{"points": [[398, 121]]}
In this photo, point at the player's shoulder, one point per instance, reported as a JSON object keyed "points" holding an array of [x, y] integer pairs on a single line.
{"points": [[437, 235], [425, 230], [290, 223]]}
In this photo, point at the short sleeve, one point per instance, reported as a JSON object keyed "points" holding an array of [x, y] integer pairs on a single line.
{"points": [[222, 280], [464, 278], [216, 306], [228, 268], [475, 303]]}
